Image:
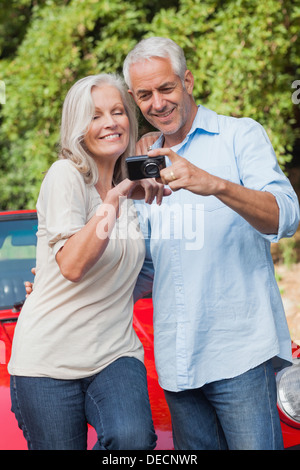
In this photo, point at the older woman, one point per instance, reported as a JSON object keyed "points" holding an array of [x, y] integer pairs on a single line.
{"points": [[76, 358]]}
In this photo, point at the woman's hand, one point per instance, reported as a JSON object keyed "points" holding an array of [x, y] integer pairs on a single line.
{"points": [[29, 285], [142, 146], [147, 189]]}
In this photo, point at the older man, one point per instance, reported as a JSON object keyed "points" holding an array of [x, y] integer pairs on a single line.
{"points": [[218, 316]]}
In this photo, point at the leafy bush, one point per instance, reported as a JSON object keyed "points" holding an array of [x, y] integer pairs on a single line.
{"points": [[244, 55]]}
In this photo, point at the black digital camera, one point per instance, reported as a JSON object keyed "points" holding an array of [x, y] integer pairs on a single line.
{"points": [[142, 166]]}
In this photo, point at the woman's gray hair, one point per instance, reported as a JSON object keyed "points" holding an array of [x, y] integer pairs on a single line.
{"points": [[150, 48], [77, 115]]}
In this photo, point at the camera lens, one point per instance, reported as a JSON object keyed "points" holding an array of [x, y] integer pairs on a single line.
{"points": [[151, 169]]}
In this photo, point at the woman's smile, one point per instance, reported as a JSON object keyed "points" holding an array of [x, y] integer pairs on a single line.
{"points": [[108, 134]]}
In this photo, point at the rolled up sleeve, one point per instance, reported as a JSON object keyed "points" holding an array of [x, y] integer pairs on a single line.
{"points": [[259, 170], [64, 195]]}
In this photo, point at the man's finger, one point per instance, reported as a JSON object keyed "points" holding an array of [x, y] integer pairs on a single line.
{"points": [[174, 157]]}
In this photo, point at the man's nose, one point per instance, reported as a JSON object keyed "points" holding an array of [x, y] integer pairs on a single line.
{"points": [[158, 102]]}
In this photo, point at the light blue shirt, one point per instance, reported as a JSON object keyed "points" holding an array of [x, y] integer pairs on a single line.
{"points": [[217, 307]]}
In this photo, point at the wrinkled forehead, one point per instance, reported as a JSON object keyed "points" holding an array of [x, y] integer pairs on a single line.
{"points": [[151, 74]]}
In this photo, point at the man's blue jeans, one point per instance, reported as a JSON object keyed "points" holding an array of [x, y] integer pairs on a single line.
{"points": [[237, 414], [53, 414]]}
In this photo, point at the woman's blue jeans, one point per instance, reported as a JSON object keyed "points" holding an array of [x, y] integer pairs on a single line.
{"points": [[237, 414], [53, 414]]}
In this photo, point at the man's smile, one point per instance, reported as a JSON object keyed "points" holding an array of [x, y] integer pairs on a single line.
{"points": [[163, 115]]}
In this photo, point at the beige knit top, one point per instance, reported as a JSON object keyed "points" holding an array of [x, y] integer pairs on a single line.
{"points": [[72, 330]]}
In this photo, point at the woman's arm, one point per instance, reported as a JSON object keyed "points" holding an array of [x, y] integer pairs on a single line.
{"points": [[83, 249]]}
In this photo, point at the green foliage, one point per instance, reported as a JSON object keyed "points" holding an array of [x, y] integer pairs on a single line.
{"points": [[64, 41], [288, 250], [244, 55]]}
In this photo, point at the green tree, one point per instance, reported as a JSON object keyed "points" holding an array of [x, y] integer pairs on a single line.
{"points": [[63, 42], [244, 55]]}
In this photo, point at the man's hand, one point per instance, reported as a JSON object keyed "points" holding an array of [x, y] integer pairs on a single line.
{"points": [[184, 175]]}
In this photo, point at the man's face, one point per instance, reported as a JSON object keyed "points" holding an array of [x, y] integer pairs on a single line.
{"points": [[162, 98]]}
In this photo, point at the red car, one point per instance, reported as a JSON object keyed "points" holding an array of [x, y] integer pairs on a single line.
{"points": [[17, 257]]}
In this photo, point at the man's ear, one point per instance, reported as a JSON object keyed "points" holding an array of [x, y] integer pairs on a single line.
{"points": [[131, 93], [189, 81]]}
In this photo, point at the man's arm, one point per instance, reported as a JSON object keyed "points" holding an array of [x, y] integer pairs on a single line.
{"points": [[259, 208]]}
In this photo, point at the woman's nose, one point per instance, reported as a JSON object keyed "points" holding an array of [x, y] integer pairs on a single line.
{"points": [[110, 121]]}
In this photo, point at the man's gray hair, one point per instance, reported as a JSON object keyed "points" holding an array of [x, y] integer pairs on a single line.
{"points": [[150, 48]]}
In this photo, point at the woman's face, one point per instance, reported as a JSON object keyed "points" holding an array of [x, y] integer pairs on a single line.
{"points": [[108, 134]]}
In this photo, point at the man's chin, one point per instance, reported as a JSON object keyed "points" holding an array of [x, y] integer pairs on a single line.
{"points": [[166, 129]]}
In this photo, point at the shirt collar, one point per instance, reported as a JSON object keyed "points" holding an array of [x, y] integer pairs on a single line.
{"points": [[205, 120]]}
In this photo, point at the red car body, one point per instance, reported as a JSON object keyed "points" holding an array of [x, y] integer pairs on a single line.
{"points": [[11, 437]]}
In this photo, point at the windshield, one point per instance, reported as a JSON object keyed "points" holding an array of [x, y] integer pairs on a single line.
{"points": [[17, 257]]}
